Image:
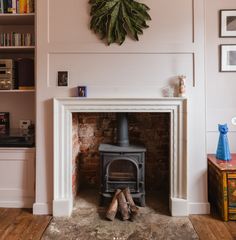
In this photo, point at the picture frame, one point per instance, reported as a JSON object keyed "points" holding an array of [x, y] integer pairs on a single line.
{"points": [[228, 23], [82, 91], [228, 58], [62, 78]]}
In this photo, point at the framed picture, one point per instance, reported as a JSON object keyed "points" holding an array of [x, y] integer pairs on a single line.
{"points": [[228, 58], [82, 91], [62, 79], [228, 23]]}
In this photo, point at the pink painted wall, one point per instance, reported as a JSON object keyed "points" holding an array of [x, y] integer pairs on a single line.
{"points": [[173, 45]]}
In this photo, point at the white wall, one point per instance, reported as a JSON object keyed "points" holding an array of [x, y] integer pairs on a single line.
{"points": [[220, 87], [173, 45]]}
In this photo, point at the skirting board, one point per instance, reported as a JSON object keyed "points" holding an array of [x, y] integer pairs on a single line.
{"points": [[62, 208], [42, 208], [179, 207], [199, 208], [24, 203]]}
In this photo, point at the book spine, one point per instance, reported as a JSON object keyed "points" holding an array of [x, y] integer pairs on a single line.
{"points": [[17, 6], [1, 6], [13, 6], [23, 6], [30, 6], [9, 6], [5, 4]]}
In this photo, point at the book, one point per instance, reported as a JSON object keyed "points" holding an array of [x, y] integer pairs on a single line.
{"points": [[4, 122], [5, 4], [9, 6], [30, 6], [23, 6], [1, 6], [18, 6], [13, 6]]}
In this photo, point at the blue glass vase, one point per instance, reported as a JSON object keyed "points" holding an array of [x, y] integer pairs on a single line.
{"points": [[223, 152]]}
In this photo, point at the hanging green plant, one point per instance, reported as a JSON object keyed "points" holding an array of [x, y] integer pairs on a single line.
{"points": [[114, 19]]}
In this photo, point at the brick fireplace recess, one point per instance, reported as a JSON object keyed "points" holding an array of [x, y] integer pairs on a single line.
{"points": [[63, 166]]}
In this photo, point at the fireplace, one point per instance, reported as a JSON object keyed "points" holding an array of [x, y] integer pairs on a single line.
{"points": [[122, 165], [63, 109]]}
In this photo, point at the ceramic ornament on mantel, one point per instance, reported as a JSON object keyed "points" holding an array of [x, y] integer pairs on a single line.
{"points": [[223, 152], [114, 19], [182, 87]]}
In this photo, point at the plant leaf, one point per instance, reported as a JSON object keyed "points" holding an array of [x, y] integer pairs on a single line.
{"points": [[114, 19]]}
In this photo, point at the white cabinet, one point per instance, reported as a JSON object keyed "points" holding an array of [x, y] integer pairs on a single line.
{"points": [[17, 177]]}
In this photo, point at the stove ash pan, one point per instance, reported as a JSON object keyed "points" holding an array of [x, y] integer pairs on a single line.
{"points": [[122, 167]]}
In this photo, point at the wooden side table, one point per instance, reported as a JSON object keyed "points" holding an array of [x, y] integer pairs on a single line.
{"points": [[222, 186]]}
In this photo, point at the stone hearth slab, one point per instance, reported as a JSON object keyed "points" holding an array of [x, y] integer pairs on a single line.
{"points": [[87, 222]]}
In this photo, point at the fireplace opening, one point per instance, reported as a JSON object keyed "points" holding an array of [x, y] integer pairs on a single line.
{"points": [[151, 130]]}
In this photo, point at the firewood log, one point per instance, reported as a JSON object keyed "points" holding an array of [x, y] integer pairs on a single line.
{"points": [[123, 206], [133, 208], [130, 200], [112, 210]]}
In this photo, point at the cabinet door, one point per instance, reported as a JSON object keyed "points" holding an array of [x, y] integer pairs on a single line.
{"points": [[232, 190]]}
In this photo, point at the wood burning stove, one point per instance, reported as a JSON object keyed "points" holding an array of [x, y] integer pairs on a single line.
{"points": [[122, 165]]}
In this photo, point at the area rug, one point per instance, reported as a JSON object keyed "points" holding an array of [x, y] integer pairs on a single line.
{"points": [[88, 223]]}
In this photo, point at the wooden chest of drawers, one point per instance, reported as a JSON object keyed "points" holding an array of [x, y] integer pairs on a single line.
{"points": [[222, 186]]}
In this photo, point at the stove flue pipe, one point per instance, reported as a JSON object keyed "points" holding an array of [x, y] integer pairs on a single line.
{"points": [[122, 130]]}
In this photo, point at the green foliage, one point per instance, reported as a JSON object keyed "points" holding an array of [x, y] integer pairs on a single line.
{"points": [[114, 19]]}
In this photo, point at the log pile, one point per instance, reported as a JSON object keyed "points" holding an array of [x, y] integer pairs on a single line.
{"points": [[122, 202]]}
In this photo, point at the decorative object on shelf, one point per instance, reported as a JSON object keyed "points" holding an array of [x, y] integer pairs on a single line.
{"points": [[168, 91], [82, 91], [228, 58], [228, 23], [7, 74], [114, 19], [4, 122], [223, 152], [182, 88], [62, 78]]}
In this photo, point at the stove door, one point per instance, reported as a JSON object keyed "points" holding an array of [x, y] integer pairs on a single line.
{"points": [[122, 170]]}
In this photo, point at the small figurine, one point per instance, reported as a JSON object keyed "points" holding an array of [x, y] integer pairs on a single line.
{"points": [[223, 152], [182, 86]]}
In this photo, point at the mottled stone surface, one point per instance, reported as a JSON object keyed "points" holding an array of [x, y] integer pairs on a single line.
{"points": [[88, 223]]}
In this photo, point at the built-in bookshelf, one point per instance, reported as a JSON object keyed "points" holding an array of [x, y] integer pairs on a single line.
{"points": [[19, 20]]}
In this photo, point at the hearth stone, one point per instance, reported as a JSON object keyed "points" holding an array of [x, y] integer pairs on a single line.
{"points": [[122, 167]]}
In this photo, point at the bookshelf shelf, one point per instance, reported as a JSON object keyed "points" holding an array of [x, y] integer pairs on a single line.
{"points": [[17, 19], [14, 49], [18, 91]]}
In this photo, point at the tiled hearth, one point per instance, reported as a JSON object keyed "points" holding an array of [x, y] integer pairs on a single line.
{"points": [[66, 133]]}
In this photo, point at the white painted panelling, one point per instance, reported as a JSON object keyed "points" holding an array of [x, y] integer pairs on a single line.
{"points": [[217, 116], [220, 87], [135, 69], [17, 177], [73, 27], [121, 71]]}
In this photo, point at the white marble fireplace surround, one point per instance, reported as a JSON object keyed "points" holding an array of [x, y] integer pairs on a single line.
{"points": [[63, 109]]}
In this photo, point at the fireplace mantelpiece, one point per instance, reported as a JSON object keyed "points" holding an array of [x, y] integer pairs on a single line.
{"points": [[63, 109]]}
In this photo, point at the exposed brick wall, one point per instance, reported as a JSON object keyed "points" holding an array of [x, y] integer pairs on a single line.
{"points": [[149, 129], [75, 154]]}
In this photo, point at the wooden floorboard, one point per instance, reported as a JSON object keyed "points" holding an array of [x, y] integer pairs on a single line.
{"points": [[212, 228], [20, 224], [231, 225]]}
